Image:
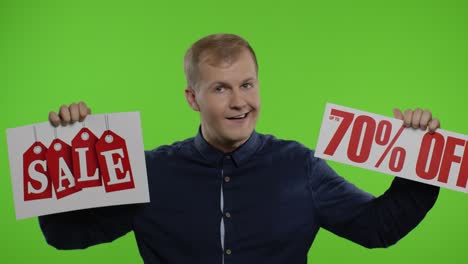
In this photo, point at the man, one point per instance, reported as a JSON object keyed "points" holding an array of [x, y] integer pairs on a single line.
{"points": [[232, 195]]}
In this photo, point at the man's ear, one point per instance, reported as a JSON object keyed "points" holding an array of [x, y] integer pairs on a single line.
{"points": [[190, 96]]}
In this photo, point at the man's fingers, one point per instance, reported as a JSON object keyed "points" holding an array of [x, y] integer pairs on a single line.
{"points": [[425, 118], [69, 114], [64, 114], [433, 125], [54, 118], [397, 113], [74, 112], [416, 119], [84, 110], [407, 117]]}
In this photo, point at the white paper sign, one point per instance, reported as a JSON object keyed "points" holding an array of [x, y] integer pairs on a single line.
{"points": [[95, 163], [383, 144]]}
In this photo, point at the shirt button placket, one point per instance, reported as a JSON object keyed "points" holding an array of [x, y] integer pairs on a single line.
{"points": [[226, 215], [227, 180]]}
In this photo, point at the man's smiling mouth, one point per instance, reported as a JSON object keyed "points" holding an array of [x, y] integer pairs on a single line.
{"points": [[242, 116]]}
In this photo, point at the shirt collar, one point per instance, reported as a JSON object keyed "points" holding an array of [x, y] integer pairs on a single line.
{"points": [[239, 155]]}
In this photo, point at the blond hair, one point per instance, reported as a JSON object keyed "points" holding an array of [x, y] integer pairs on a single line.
{"points": [[221, 48]]}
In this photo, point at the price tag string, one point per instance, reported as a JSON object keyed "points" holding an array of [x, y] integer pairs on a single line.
{"points": [[35, 133], [107, 122]]}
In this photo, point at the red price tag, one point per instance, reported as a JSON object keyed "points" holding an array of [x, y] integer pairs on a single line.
{"points": [[114, 162], [36, 183], [85, 161], [60, 167]]}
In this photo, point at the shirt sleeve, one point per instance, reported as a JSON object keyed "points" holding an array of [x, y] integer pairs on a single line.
{"points": [[360, 217], [83, 228]]}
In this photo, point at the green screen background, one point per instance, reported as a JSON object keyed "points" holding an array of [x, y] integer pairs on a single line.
{"points": [[127, 56]]}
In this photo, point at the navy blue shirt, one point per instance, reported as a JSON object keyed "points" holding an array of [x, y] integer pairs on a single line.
{"points": [[262, 203]]}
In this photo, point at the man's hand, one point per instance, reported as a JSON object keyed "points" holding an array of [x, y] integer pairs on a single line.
{"points": [[418, 118], [69, 114]]}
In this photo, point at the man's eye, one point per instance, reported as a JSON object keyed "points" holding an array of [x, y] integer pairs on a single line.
{"points": [[247, 85], [219, 88]]}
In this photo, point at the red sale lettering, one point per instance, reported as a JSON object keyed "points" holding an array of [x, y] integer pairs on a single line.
{"points": [[463, 173], [114, 162], [364, 132], [59, 160], [383, 132], [36, 179], [395, 164], [340, 132], [113, 167], [383, 144], [449, 157], [367, 139], [65, 169], [443, 156], [397, 159], [85, 162], [436, 141]]}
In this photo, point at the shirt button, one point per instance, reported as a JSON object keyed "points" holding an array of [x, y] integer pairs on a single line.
{"points": [[228, 251], [227, 179], [227, 214]]}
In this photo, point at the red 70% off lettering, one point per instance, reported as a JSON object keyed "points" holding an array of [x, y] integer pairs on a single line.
{"points": [[430, 165]]}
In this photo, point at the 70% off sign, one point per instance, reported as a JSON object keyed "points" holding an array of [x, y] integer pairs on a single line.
{"points": [[383, 144]]}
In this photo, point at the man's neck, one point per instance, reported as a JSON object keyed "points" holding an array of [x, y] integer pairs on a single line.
{"points": [[224, 146]]}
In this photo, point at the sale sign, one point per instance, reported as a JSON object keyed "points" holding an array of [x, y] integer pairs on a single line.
{"points": [[383, 144], [99, 162]]}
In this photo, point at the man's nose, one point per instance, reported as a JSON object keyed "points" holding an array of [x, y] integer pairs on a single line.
{"points": [[237, 99]]}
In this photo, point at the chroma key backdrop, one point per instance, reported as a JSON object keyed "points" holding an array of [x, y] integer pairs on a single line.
{"points": [[121, 56]]}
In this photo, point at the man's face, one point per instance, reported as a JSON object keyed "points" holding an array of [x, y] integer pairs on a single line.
{"points": [[228, 100]]}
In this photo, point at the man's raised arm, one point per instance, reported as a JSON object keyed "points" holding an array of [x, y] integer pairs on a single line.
{"points": [[367, 220]]}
